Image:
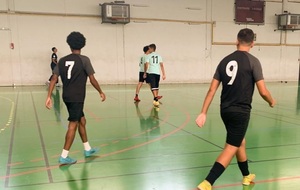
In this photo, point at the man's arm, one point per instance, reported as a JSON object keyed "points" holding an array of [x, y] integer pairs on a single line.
{"points": [[145, 69], [54, 59], [96, 85], [264, 93], [207, 101], [51, 87], [163, 70]]}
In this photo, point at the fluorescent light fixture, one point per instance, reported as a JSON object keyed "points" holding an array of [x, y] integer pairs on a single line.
{"points": [[139, 5], [194, 8], [4, 28]]}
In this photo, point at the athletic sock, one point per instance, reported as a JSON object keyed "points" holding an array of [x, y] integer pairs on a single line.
{"points": [[64, 153], [215, 172], [244, 168], [155, 99], [87, 146], [136, 95]]}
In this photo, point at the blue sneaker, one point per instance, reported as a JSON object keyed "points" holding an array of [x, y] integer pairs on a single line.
{"points": [[88, 153], [66, 161]]}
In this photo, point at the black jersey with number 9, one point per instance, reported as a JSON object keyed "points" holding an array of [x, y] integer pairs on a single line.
{"points": [[238, 73]]}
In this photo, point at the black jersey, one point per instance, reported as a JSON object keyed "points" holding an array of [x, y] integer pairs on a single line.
{"points": [[53, 58], [74, 70], [238, 73]]}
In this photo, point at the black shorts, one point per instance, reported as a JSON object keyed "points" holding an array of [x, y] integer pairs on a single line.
{"points": [[236, 124], [75, 110], [141, 77], [52, 65], [153, 80]]}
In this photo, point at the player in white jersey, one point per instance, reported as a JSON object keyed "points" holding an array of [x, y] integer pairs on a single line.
{"points": [[154, 64], [141, 74]]}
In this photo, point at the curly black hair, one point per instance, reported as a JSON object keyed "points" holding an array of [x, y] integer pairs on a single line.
{"points": [[76, 40]]}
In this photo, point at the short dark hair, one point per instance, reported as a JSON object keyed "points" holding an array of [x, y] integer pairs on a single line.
{"points": [[76, 40], [245, 36], [145, 49], [53, 48], [153, 46]]}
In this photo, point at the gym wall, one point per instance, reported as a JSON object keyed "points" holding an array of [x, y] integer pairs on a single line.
{"points": [[192, 36]]}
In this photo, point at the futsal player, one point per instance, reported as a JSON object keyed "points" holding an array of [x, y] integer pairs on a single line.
{"points": [[74, 70], [153, 66], [238, 72], [141, 73], [53, 64]]}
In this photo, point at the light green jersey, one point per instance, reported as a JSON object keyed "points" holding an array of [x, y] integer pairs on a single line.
{"points": [[154, 61], [142, 62]]}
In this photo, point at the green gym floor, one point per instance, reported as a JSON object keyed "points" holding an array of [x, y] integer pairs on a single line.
{"points": [[143, 148]]}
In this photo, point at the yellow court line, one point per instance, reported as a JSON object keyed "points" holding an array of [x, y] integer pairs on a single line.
{"points": [[12, 109]]}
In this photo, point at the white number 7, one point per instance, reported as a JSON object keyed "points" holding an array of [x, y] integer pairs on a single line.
{"points": [[231, 70], [70, 64]]}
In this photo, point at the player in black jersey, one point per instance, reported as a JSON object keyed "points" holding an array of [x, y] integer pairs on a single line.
{"points": [[239, 72], [53, 64], [74, 70]]}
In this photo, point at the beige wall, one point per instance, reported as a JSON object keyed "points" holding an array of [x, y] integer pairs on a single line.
{"points": [[34, 26]]}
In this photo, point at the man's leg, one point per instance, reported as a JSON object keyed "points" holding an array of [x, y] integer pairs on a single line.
{"points": [[242, 161], [69, 138], [137, 91], [219, 166], [70, 135], [82, 130], [88, 150]]}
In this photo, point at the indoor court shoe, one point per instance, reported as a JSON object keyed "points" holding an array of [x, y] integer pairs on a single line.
{"points": [[156, 103], [248, 179], [159, 97], [204, 185], [136, 99], [88, 153], [67, 160]]}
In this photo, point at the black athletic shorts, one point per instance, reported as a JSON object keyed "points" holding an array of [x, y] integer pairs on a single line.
{"points": [[75, 110], [236, 124], [52, 65], [153, 80], [141, 77]]}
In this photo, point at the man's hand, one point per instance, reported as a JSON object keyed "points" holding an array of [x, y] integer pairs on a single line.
{"points": [[103, 97], [48, 103], [200, 121]]}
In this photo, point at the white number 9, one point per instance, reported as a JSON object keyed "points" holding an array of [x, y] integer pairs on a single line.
{"points": [[231, 71]]}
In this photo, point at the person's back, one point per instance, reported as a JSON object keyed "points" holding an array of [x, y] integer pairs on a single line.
{"points": [[154, 61], [142, 62], [74, 70], [238, 73]]}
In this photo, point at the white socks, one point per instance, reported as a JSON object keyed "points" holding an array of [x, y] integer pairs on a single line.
{"points": [[64, 153], [87, 146]]}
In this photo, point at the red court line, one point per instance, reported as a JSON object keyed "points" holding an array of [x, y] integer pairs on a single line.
{"points": [[105, 155], [113, 142], [15, 164]]}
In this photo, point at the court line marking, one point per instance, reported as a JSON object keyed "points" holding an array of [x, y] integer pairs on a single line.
{"points": [[259, 182], [114, 141], [38, 125], [107, 154], [10, 117], [8, 167]]}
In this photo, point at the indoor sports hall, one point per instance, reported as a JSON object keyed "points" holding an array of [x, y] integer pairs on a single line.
{"points": [[146, 147]]}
